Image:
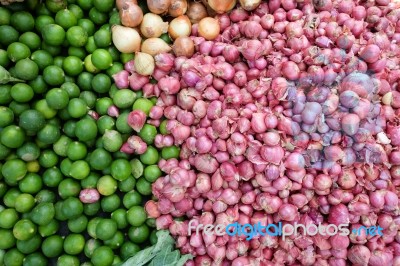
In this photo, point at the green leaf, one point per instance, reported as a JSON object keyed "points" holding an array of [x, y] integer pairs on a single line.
{"points": [[5, 77], [184, 259]]}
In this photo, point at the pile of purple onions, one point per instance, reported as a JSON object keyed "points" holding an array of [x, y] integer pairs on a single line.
{"points": [[291, 115]]}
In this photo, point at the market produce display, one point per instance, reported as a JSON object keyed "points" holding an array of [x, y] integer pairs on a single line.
{"points": [[130, 130]]}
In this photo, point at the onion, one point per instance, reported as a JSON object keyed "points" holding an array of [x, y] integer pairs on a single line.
{"points": [[158, 6], [153, 26], [131, 15], [179, 27], [155, 46], [249, 5], [183, 46], [196, 12], [126, 40], [209, 28], [121, 3], [177, 8], [144, 64], [222, 6]]}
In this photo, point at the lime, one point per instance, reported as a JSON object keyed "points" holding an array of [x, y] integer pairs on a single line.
{"points": [[116, 241], [45, 196], [4, 60], [13, 257], [90, 46], [29, 246], [122, 123], [91, 209], [102, 38], [121, 169], [103, 104], [136, 215], [100, 159], [97, 17], [106, 185], [78, 225], [79, 169], [112, 140], [115, 19], [32, 183], [101, 82], [152, 173], [89, 97], [139, 234], [77, 36], [32, 120], [54, 50], [49, 229], [89, 65], [5, 16], [7, 239], [86, 129], [52, 246], [24, 229], [74, 244], [14, 170], [22, 21], [29, 151], [54, 75], [102, 256], [77, 108], [77, 51], [43, 213], [110, 203], [38, 85], [90, 246], [69, 188], [170, 152], [104, 123], [49, 134], [143, 186], [55, 5], [101, 59], [143, 104], [58, 61], [76, 10], [42, 58], [87, 25], [26, 69], [148, 133], [129, 249], [90, 181], [66, 19], [132, 198], [106, 228], [5, 94], [137, 168], [119, 216], [72, 208], [43, 20], [6, 116], [53, 34], [18, 107], [22, 92], [24, 203], [76, 151], [8, 35], [8, 218], [103, 5], [57, 98], [35, 259], [150, 156], [31, 39], [85, 80], [124, 98], [127, 184], [72, 65], [61, 145]]}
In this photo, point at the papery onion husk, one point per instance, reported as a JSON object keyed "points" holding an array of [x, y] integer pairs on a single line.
{"points": [[183, 46], [250, 5], [158, 6], [153, 26], [131, 15], [209, 28], [120, 3], [222, 6], [177, 8], [144, 64], [180, 26], [125, 39], [154, 46], [196, 11]]}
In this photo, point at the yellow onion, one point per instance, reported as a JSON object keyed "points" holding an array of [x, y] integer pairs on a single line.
{"points": [[196, 11], [125, 39], [153, 26], [222, 6], [155, 46], [177, 8], [250, 5], [183, 46], [180, 26], [209, 28], [158, 6], [131, 15], [120, 3], [144, 64]]}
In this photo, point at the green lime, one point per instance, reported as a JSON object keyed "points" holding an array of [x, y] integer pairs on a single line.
{"points": [[115, 19], [49, 134], [38, 85], [31, 39], [92, 225], [102, 38], [72, 208], [132, 198], [52, 176], [90, 46], [42, 58], [112, 140], [85, 4], [22, 92], [106, 185], [101, 59], [32, 120], [110, 203], [100, 159], [127, 184], [52, 246], [8, 218], [66, 19], [42, 21], [143, 104], [14, 170], [91, 209], [54, 75], [89, 65], [116, 241], [85, 81], [124, 98], [7, 239], [74, 244], [45, 196], [35, 259], [137, 168], [103, 104], [78, 225], [55, 5], [87, 25], [79, 169], [26, 69], [114, 69], [6, 116], [22, 21], [58, 61], [90, 181], [148, 133], [170, 152], [77, 36], [71, 88], [76, 10], [125, 58], [98, 17], [101, 83], [44, 108], [29, 151], [57, 98], [53, 34], [24, 203], [48, 159], [102, 256], [77, 51], [86, 129], [90, 246], [76, 151], [139, 234], [143, 186], [24, 229], [29, 246], [104, 5], [43, 213], [5, 94], [69, 188], [13, 257], [136, 215], [121, 169], [61, 145], [72, 65], [77, 108], [129, 249], [18, 107], [122, 123], [54, 50], [150, 156], [8, 35], [104, 123], [106, 228], [119, 216], [4, 60], [32, 183], [152, 173], [89, 97], [5, 16]]}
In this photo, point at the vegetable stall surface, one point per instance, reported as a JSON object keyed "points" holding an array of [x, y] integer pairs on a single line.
{"points": [[285, 111], [69, 194]]}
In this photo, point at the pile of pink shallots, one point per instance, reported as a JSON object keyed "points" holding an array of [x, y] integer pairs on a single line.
{"points": [[291, 115]]}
